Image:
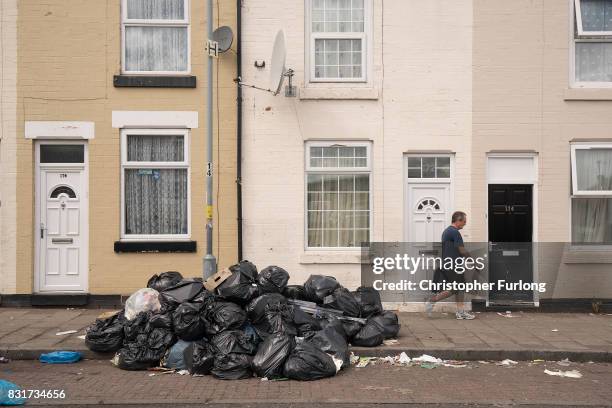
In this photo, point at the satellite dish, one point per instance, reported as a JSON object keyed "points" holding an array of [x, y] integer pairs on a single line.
{"points": [[277, 65], [224, 37]]}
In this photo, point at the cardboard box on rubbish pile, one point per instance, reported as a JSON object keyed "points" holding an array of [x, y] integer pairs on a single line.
{"points": [[217, 279]]}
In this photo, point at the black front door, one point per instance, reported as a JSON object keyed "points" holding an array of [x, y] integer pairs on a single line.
{"points": [[510, 240]]}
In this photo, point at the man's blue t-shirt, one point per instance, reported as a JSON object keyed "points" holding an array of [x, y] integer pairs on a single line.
{"points": [[451, 241]]}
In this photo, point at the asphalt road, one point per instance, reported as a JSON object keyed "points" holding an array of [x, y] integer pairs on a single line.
{"points": [[479, 384]]}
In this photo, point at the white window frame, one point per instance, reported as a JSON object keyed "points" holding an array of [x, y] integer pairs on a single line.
{"points": [[575, 24], [575, 193], [430, 180], [365, 38], [575, 190], [344, 170], [126, 22], [125, 164]]}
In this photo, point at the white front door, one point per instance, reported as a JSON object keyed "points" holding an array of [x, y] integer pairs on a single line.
{"points": [[428, 211], [63, 228]]}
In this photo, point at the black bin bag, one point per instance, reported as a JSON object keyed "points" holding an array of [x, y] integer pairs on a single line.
{"points": [[164, 280], [233, 366], [370, 335], [187, 323], [256, 309], [222, 316], [199, 357], [106, 335], [144, 345], [351, 328], [294, 292], [333, 343], [342, 299], [241, 287], [388, 322], [305, 324], [272, 353], [233, 341], [369, 301], [317, 287], [307, 363], [279, 319], [184, 291], [273, 279]]}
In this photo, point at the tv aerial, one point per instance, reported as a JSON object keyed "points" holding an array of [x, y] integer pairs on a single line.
{"points": [[278, 70]]}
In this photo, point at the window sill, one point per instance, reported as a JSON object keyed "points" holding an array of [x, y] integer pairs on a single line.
{"points": [[587, 94], [155, 246], [331, 257], [338, 93], [154, 81], [587, 256]]}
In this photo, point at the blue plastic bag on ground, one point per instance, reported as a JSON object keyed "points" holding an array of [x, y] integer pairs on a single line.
{"points": [[175, 357], [61, 357], [7, 397]]}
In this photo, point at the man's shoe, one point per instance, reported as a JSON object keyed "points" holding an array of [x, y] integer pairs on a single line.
{"points": [[463, 315]]}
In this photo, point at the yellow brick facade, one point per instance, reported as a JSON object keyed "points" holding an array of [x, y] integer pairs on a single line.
{"points": [[69, 51]]}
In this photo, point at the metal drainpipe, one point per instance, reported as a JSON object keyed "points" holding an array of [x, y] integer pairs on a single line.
{"points": [[239, 126], [210, 262]]}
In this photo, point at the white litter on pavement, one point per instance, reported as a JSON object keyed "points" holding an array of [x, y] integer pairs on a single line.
{"points": [[565, 362], [81, 337], [555, 330], [390, 342], [403, 358], [507, 362], [507, 314], [62, 333], [568, 374], [183, 372], [425, 358]]}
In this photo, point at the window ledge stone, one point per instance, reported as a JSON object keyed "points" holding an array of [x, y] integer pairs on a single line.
{"points": [[585, 256], [154, 81], [331, 257], [587, 94], [338, 93], [155, 246]]}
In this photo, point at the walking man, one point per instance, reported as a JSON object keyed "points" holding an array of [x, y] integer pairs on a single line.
{"points": [[452, 247]]}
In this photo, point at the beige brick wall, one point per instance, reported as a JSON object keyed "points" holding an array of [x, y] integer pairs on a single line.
{"points": [[8, 130], [521, 74], [69, 51], [422, 75]]}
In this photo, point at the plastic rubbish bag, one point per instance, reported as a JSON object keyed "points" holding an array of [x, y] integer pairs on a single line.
{"points": [[175, 358], [334, 323], [143, 300], [60, 357], [319, 286], [144, 345], [370, 335], [294, 292], [279, 319], [164, 280], [306, 363], [7, 398], [351, 328], [222, 316], [241, 286], [273, 279], [331, 342], [233, 341], [269, 360], [199, 357], [388, 322], [184, 291], [342, 299], [369, 301], [161, 320], [233, 366], [106, 335], [187, 323], [256, 309], [305, 323]]}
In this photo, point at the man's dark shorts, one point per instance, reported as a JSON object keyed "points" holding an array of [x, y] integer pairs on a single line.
{"points": [[448, 275]]}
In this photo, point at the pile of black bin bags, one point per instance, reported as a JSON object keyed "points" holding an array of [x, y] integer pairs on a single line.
{"points": [[246, 327]]}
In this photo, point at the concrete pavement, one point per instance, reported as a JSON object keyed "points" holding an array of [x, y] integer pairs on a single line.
{"points": [[27, 332]]}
